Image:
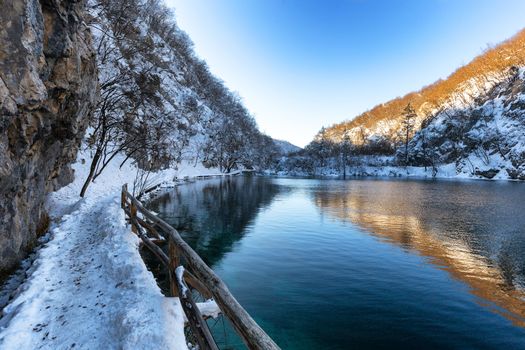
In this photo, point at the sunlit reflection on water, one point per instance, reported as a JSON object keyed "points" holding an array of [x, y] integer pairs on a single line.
{"points": [[405, 217]]}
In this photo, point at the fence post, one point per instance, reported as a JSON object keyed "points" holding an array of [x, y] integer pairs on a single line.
{"points": [[123, 196], [132, 216], [173, 264]]}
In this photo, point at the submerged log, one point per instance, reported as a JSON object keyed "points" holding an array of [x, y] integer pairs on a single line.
{"points": [[172, 262], [155, 249], [196, 284]]}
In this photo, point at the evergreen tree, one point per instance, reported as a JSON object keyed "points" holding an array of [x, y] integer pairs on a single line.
{"points": [[407, 127]]}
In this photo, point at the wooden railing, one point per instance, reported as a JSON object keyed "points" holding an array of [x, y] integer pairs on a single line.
{"points": [[197, 275]]}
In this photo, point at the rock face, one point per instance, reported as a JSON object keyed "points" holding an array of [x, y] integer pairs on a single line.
{"points": [[484, 139], [48, 87]]}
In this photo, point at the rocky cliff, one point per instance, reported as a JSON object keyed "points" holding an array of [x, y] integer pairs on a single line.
{"points": [[48, 87], [485, 138]]}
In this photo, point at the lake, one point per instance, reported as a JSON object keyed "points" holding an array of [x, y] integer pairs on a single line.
{"points": [[364, 263]]}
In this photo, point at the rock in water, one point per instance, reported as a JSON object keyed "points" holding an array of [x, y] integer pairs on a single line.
{"points": [[48, 85]]}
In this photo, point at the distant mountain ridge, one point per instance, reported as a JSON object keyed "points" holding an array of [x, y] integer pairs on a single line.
{"points": [[286, 147]]}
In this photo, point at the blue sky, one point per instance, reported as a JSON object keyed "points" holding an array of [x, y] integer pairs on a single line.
{"points": [[300, 64]]}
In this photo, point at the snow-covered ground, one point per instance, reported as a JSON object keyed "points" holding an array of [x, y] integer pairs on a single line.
{"points": [[446, 171], [472, 167], [88, 287]]}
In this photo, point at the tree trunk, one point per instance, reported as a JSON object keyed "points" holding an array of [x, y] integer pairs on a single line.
{"points": [[406, 148], [92, 169]]}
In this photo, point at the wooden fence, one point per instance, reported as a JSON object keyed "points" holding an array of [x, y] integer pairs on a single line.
{"points": [[195, 274]]}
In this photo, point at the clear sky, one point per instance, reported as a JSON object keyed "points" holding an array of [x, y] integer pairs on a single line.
{"points": [[303, 64]]}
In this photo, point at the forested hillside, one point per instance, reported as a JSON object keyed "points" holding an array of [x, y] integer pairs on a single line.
{"points": [[286, 147], [461, 88], [473, 121], [159, 104]]}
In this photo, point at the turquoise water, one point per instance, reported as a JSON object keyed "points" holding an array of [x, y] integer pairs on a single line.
{"points": [[377, 264]]}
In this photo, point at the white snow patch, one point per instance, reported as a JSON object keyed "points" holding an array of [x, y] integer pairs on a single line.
{"points": [[179, 272], [209, 308]]}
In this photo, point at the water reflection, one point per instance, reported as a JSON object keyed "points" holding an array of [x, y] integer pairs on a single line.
{"points": [[212, 215], [475, 231], [339, 279]]}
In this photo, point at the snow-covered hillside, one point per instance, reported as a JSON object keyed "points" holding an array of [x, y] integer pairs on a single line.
{"points": [[286, 147], [159, 103], [471, 124], [483, 138]]}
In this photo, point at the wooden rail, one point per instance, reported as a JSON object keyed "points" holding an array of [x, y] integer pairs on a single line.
{"points": [[200, 276]]}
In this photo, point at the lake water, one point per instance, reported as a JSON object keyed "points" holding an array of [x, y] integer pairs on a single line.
{"points": [[377, 264]]}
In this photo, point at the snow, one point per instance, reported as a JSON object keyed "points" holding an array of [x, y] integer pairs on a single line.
{"points": [[444, 171], [91, 289], [10, 286], [187, 169], [179, 272], [88, 286], [209, 308]]}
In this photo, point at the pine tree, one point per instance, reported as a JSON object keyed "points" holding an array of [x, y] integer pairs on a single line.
{"points": [[407, 126]]}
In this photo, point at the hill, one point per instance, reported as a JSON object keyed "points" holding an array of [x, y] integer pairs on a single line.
{"points": [[471, 122], [159, 103], [286, 147], [460, 89]]}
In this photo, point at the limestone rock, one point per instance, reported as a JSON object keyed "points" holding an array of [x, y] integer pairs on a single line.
{"points": [[48, 87]]}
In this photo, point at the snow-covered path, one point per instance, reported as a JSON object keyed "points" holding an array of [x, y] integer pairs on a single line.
{"points": [[89, 288]]}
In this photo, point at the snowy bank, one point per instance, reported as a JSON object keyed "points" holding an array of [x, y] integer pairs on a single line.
{"points": [[472, 167], [88, 287]]}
